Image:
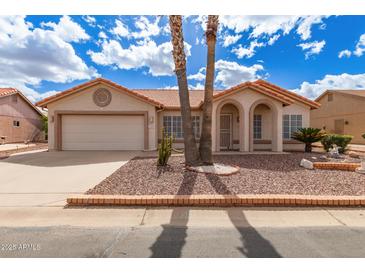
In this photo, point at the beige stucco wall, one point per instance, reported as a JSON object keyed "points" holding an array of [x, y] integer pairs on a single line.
{"points": [[83, 101], [245, 99], [30, 120], [347, 107]]}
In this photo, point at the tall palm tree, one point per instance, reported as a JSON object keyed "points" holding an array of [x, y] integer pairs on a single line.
{"points": [[205, 147], [192, 156]]}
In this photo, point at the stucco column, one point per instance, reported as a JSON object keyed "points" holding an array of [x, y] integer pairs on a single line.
{"points": [[278, 143], [246, 129]]}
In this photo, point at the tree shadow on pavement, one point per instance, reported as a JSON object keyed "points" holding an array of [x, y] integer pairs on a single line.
{"points": [[170, 242], [253, 244]]}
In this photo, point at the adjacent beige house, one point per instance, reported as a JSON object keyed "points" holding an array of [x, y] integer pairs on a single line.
{"points": [[102, 115], [341, 112], [20, 120]]}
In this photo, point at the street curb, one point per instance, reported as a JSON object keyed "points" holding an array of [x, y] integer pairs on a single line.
{"points": [[215, 200]]}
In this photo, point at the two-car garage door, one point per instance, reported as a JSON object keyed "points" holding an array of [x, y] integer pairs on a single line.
{"points": [[103, 132]]}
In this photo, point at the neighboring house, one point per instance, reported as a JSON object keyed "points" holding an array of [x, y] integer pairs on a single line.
{"points": [[102, 115], [20, 120], [341, 112]]}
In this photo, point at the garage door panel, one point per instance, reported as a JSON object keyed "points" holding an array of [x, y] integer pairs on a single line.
{"points": [[102, 132]]}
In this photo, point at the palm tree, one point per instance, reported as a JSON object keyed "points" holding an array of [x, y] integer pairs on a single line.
{"points": [[308, 136], [192, 156], [205, 147]]}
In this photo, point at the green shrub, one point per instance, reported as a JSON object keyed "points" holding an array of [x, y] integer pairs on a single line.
{"points": [[339, 140], [308, 136], [164, 149], [363, 136]]}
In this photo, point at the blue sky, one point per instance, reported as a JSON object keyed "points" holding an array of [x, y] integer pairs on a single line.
{"points": [[42, 55]]}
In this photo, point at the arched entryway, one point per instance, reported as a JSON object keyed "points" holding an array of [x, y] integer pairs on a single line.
{"points": [[229, 127], [263, 126]]}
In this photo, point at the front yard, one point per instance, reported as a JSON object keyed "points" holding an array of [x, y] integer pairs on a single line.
{"points": [[258, 174]]}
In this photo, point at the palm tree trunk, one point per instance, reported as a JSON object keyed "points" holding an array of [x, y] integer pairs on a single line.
{"points": [[308, 147], [205, 147], [192, 156]]}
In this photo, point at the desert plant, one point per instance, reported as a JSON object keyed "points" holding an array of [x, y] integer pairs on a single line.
{"points": [[308, 136], [339, 140], [164, 149]]}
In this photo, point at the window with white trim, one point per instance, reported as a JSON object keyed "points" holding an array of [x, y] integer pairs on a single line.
{"points": [[257, 126], [173, 126], [291, 123]]}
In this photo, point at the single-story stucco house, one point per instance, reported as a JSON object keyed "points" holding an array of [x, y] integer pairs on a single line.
{"points": [[20, 120], [341, 112], [103, 115]]}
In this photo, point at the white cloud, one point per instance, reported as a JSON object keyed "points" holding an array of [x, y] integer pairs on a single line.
{"points": [[170, 87], [231, 73], [360, 46], [67, 30], [157, 58], [342, 81], [102, 35], [120, 29], [146, 28], [200, 76], [265, 29], [30, 55], [306, 23], [196, 86], [90, 20], [312, 48], [344, 53], [259, 24], [230, 39], [273, 39], [248, 52]]}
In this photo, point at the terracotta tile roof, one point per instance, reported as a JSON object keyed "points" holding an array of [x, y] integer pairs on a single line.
{"points": [[354, 92], [360, 93], [169, 98], [289, 94], [44, 102], [7, 91], [269, 92]]}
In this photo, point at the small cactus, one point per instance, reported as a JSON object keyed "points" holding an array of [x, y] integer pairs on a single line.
{"points": [[164, 149]]}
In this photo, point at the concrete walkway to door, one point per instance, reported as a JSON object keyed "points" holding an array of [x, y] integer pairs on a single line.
{"points": [[47, 178]]}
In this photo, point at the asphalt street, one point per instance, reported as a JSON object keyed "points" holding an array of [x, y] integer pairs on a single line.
{"points": [[181, 232]]}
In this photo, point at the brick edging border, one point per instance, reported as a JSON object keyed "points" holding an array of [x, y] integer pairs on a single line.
{"points": [[214, 200], [336, 166]]}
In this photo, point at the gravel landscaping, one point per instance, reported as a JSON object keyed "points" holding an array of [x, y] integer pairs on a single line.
{"points": [[258, 174]]}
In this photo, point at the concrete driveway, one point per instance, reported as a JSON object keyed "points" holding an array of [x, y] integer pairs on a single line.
{"points": [[47, 178]]}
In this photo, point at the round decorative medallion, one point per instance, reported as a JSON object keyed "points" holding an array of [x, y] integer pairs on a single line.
{"points": [[102, 97]]}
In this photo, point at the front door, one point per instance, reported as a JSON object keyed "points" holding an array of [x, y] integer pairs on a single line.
{"points": [[226, 131]]}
